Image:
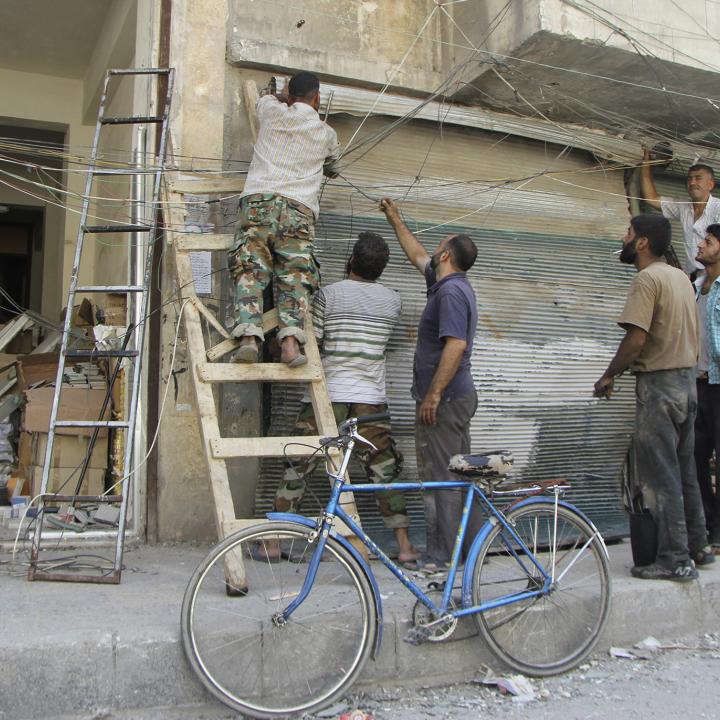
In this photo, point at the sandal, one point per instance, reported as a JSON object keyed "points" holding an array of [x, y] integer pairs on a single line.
{"points": [[422, 565], [247, 353]]}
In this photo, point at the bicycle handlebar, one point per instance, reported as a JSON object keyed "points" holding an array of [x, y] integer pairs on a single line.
{"points": [[362, 420]]}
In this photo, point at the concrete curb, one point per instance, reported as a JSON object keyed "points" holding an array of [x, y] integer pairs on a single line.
{"points": [[137, 661]]}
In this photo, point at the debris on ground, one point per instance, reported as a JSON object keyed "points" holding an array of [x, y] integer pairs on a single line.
{"points": [[518, 686], [356, 715]]}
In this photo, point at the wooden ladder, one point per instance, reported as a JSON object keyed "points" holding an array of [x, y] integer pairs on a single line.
{"points": [[205, 371]]}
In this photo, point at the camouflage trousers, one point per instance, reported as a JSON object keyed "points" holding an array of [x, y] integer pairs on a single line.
{"points": [[273, 242], [382, 466]]}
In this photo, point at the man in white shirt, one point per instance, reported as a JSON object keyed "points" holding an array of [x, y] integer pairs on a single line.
{"points": [[354, 319], [695, 215], [275, 231]]}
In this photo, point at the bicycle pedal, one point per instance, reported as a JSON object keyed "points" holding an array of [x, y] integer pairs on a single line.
{"points": [[417, 635]]}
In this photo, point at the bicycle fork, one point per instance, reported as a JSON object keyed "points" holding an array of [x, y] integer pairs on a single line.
{"points": [[321, 534]]}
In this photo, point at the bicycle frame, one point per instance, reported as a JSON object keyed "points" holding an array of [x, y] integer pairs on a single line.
{"points": [[333, 510]]}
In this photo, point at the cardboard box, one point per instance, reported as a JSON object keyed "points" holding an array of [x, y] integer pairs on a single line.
{"points": [[64, 480], [68, 451], [18, 484], [76, 404], [38, 368], [111, 309]]}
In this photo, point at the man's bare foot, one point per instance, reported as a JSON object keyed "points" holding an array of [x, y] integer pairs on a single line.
{"points": [[271, 548], [409, 555], [291, 352]]}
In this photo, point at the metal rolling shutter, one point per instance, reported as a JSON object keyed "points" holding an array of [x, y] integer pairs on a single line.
{"points": [[549, 290]]}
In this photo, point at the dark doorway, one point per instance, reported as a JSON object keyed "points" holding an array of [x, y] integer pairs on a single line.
{"points": [[21, 233]]}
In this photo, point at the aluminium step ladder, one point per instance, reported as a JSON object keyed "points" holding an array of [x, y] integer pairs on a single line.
{"points": [[141, 231]]}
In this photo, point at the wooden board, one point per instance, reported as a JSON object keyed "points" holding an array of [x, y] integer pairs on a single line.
{"points": [[257, 372]]}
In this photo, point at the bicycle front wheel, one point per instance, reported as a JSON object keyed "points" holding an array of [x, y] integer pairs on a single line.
{"points": [[265, 668], [554, 631]]}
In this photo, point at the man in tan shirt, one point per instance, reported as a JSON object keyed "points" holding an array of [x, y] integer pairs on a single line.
{"points": [[661, 348]]}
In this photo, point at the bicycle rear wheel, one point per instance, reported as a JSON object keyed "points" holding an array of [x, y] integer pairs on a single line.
{"points": [[553, 632], [267, 669]]}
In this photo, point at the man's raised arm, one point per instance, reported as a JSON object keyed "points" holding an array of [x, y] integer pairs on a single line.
{"points": [[647, 182], [415, 252]]}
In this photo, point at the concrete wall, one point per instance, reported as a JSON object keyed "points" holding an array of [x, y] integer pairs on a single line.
{"points": [[217, 44], [359, 42], [198, 54]]}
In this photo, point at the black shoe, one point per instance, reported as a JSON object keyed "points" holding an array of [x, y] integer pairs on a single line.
{"points": [[703, 557], [682, 572]]}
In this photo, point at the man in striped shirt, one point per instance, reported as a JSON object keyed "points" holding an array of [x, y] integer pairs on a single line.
{"points": [[354, 319], [275, 231]]}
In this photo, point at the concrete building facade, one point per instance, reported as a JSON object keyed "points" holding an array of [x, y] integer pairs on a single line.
{"points": [[518, 122]]}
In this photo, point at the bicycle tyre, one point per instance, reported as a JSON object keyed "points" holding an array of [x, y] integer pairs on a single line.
{"points": [[260, 668], [551, 633]]}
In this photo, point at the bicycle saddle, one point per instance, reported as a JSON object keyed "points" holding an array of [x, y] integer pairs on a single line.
{"points": [[491, 463]]}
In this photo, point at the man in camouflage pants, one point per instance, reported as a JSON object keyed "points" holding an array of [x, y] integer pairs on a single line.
{"points": [[276, 219], [353, 322]]}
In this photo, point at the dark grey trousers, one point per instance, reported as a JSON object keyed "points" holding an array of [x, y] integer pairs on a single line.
{"points": [[665, 463], [434, 446], [707, 440]]}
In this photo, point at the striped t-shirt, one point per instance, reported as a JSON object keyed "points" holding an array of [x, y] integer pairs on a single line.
{"points": [[353, 323]]}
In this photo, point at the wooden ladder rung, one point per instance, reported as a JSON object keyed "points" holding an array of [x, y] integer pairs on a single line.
{"points": [[203, 241], [292, 446], [256, 372]]}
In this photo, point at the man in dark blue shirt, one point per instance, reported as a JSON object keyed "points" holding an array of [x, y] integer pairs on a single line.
{"points": [[442, 383]]}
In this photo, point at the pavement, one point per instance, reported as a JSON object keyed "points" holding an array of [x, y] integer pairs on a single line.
{"points": [[114, 650]]}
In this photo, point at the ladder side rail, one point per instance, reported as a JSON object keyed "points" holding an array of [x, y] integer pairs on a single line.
{"points": [[35, 548], [140, 331], [209, 427]]}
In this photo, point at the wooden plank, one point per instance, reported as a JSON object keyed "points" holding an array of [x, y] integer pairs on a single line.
{"points": [[208, 185], [207, 412], [270, 321], [13, 328], [256, 372], [222, 349], [290, 446], [215, 242], [210, 317], [48, 344]]}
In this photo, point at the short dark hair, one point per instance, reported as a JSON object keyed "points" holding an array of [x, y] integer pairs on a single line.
{"points": [[303, 84], [714, 230], [462, 250], [702, 166], [370, 255], [656, 229]]}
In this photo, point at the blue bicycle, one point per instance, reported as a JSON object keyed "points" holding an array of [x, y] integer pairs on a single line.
{"points": [[294, 633]]}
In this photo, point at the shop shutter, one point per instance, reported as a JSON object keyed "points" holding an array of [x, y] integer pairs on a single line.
{"points": [[549, 290]]}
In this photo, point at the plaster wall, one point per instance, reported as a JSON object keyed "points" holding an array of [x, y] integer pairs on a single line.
{"points": [[55, 103]]}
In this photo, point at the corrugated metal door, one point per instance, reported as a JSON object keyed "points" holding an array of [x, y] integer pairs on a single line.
{"points": [[549, 290]]}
